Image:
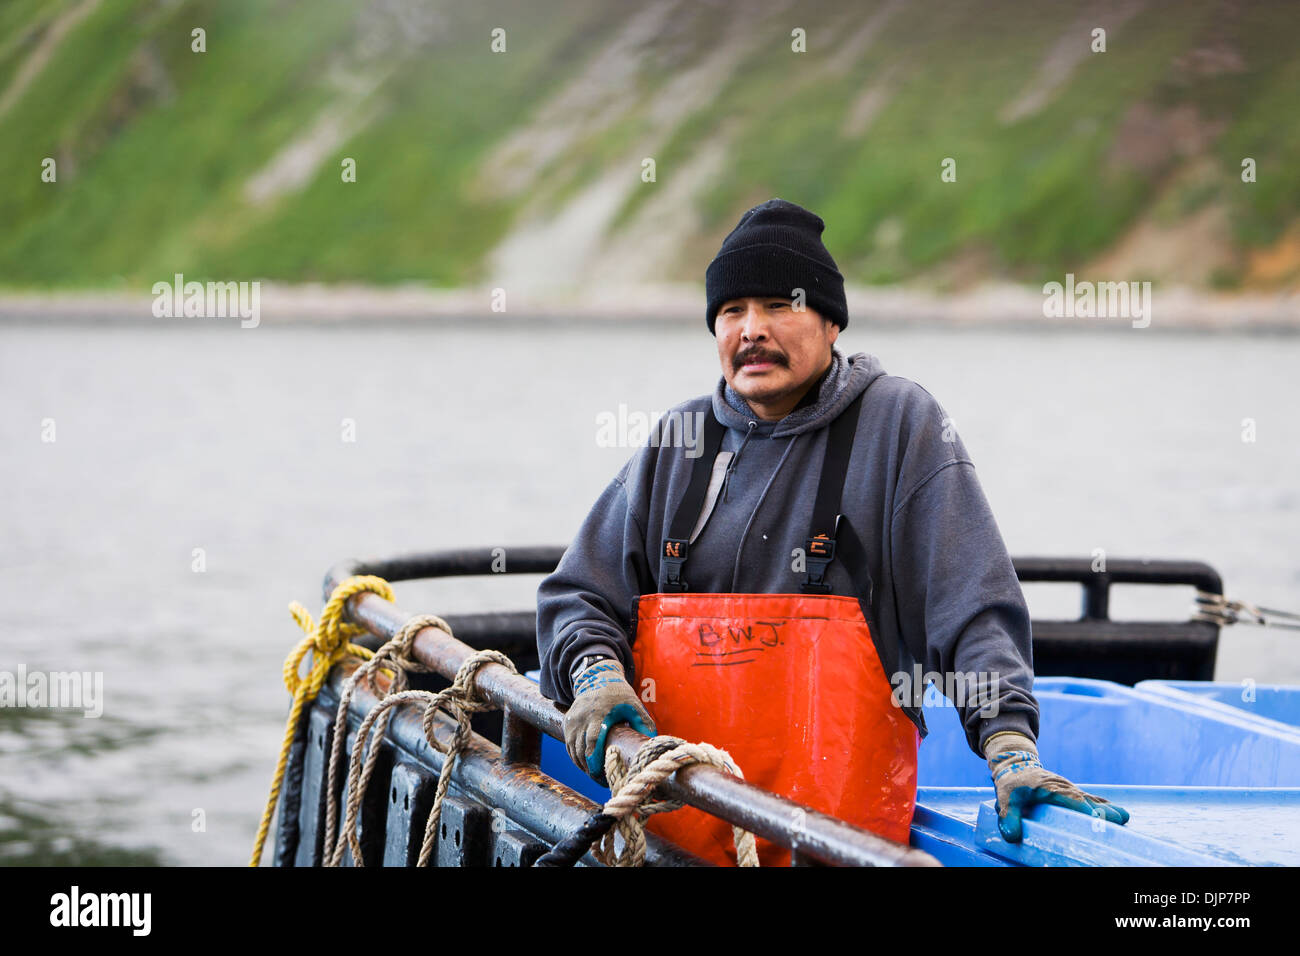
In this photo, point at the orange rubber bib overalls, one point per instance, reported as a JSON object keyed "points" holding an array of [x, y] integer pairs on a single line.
{"points": [[791, 685]]}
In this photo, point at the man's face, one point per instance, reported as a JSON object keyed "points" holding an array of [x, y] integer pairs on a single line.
{"points": [[771, 352]]}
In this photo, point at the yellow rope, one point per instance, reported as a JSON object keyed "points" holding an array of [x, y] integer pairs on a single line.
{"points": [[328, 641]]}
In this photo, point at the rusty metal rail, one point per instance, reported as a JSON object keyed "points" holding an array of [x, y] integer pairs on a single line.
{"points": [[536, 803], [812, 837]]}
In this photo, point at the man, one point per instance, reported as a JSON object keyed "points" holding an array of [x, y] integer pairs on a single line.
{"points": [[761, 591]]}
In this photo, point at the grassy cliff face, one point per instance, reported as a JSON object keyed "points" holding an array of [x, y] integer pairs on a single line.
{"points": [[227, 163]]}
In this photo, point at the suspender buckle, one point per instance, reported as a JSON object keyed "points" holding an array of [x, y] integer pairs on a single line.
{"points": [[673, 558], [819, 552]]}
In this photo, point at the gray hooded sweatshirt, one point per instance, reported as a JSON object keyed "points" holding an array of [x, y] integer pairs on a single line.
{"points": [[944, 597]]}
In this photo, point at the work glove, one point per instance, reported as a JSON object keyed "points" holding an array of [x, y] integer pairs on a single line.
{"points": [[1021, 781], [602, 698]]}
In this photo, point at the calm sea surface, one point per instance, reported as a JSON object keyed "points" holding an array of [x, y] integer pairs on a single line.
{"points": [[176, 438]]}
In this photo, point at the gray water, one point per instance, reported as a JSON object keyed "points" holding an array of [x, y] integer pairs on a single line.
{"points": [[207, 436]]}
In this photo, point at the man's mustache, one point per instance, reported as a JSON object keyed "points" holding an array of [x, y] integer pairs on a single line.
{"points": [[757, 354]]}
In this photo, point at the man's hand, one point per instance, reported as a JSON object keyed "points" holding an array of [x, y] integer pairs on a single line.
{"points": [[1021, 781], [602, 698]]}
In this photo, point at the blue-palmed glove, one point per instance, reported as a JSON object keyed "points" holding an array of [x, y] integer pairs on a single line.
{"points": [[602, 697], [1021, 781]]}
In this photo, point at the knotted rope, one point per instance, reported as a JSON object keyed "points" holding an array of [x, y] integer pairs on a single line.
{"points": [[328, 641], [459, 701], [631, 803], [1217, 609], [398, 652]]}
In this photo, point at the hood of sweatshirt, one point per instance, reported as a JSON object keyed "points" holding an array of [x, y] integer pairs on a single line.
{"points": [[844, 381]]}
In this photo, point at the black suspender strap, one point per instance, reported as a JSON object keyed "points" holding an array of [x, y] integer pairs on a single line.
{"points": [[676, 547], [819, 550]]}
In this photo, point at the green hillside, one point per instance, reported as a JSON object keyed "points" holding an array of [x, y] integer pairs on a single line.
{"points": [[174, 161]]}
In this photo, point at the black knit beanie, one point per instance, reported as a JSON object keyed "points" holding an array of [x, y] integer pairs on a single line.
{"points": [[774, 249]]}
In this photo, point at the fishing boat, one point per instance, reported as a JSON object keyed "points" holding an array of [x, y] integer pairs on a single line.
{"points": [[1210, 771]]}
